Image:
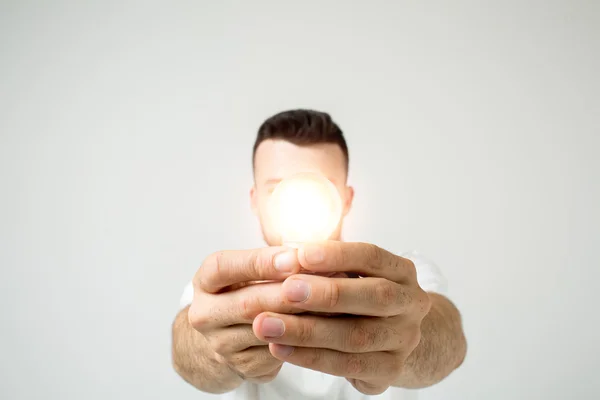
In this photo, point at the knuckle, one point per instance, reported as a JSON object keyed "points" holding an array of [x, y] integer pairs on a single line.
{"points": [[405, 265], [246, 308], [396, 367], [243, 337], [338, 253], [414, 337], [241, 361], [242, 368], [405, 299], [356, 365], [424, 302], [374, 254], [198, 319], [260, 262], [252, 262], [217, 260], [386, 294], [306, 331], [258, 364], [312, 358], [332, 294], [381, 337], [219, 345], [359, 338], [265, 377], [409, 267], [274, 373], [249, 308], [370, 389], [209, 271], [226, 361]]}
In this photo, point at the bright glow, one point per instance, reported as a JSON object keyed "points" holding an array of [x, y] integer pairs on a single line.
{"points": [[305, 207]]}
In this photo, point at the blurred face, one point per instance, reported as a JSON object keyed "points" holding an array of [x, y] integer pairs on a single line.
{"points": [[278, 159]]}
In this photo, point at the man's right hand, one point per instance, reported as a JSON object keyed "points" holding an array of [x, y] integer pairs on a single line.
{"points": [[225, 306]]}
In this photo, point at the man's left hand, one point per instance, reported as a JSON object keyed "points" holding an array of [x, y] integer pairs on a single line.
{"points": [[382, 323]]}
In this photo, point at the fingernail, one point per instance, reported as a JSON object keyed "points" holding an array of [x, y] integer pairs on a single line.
{"points": [[314, 253], [283, 350], [285, 262], [296, 290], [272, 327]]}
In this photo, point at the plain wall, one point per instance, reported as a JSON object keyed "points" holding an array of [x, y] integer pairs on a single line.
{"points": [[126, 133]]}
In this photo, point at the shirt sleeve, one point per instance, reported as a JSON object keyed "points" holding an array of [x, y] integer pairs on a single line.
{"points": [[428, 274], [187, 296]]}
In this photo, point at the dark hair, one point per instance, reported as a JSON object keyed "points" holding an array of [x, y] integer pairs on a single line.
{"points": [[303, 128]]}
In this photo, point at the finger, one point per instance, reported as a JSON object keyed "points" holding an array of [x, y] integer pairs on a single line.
{"points": [[254, 362], [362, 258], [213, 311], [232, 339], [226, 268], [349, 335], [366, 366], [327, 274], [367, 296], [268, 377], [370, 389]]}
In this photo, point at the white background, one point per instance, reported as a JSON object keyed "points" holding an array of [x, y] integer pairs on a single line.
{"points": [[126, 133]]}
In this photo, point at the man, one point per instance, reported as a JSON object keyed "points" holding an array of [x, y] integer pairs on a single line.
{"points": [[286, 323]]}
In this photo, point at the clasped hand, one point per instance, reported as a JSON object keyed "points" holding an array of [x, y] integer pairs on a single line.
{"points": [[255, 328]]}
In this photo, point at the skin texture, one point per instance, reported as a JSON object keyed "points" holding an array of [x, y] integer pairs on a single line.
{"points": [[248, 315]]}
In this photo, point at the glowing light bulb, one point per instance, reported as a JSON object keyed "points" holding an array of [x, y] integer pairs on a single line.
{"points": [[305, 207]]}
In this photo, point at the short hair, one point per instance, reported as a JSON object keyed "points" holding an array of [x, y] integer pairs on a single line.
{"points": [[302, 127]]}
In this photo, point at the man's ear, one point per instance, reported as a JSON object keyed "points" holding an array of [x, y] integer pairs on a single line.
{"points": [[254, 200], [348, 200]]}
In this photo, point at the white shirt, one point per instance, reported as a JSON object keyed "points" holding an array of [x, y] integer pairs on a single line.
{"points": [[297, 383]]}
